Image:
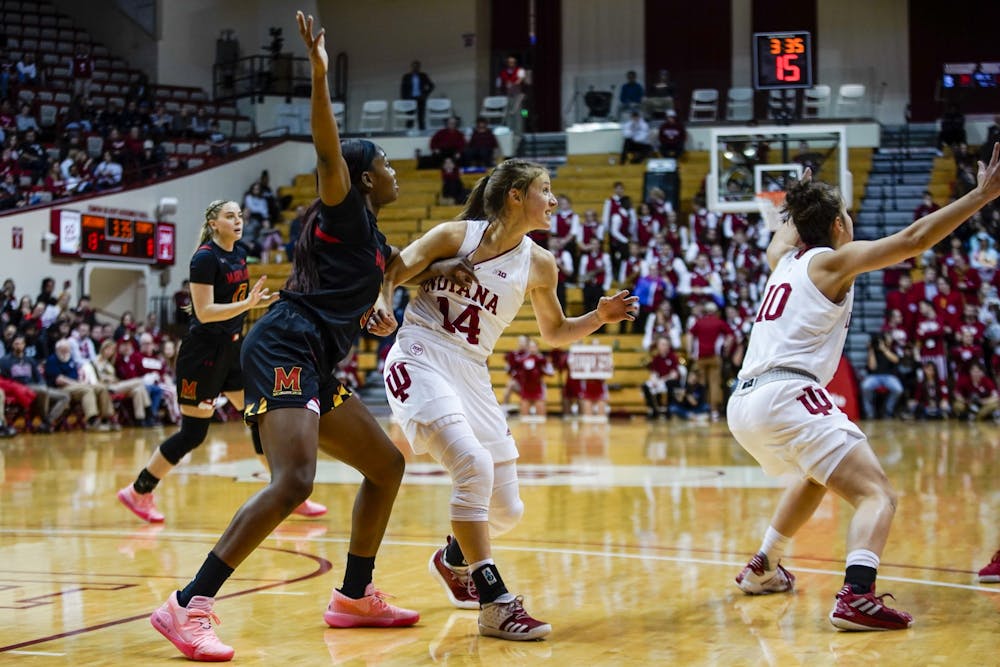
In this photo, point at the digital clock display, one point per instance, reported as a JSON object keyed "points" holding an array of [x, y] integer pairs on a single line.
{"points": [[92, 235], [782, 60]]}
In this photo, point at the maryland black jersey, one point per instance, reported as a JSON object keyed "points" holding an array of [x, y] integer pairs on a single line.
{"points": [[350, 256], [227, 273]]}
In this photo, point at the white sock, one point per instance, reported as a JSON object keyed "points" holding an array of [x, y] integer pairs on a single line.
{"points": [[863, 557], [774, 546]]}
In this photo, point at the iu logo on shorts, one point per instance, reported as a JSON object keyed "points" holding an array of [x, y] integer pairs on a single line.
{"points": [[397, 381], [287, 382], [815, 401]]}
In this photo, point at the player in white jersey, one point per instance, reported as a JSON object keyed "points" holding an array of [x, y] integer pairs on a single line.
{"points": [[438, 382], [781, 413]]}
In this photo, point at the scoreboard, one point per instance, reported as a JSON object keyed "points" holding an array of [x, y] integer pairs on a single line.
{"points": [[782, 60], [98, 235]]}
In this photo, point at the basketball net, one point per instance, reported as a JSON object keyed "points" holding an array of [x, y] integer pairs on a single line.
{"points": [[769, 204]]}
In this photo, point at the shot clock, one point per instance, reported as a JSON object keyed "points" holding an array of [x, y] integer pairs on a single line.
{"points": [[99, 235], [782, 60]]}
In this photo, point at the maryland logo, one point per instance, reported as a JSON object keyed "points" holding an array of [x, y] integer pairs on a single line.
{"points": [[189, 389], [287, 382]]}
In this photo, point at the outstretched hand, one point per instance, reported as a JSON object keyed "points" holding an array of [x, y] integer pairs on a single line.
{"points": [[618, 307], [988, 178], [382, 321], [460, 270], [315, 44], [260, 296]]}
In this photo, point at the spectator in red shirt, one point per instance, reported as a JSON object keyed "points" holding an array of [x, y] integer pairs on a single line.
{"points": [[480, 151], [926, 206], [130, 365], [964, 354], [533, 367], [930, 395], [449, 141], [976, 396], [664, 379], [709, 338], [905, 299], [672, 136], [948, 305], [83, 71], [930, 338], [512, 364]]}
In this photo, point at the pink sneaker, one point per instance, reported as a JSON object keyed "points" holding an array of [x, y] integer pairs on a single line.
{"points": [[190, 628], [141, 504], [991, 573], [755, 580], [310, 508], [854, 611], [458, 586], [370, 611], [509, 620]]}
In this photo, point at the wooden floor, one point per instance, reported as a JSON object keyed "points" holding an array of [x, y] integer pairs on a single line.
{"points": [[629, 546]]}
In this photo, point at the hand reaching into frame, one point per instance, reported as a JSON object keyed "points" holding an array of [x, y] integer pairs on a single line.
{"points": [[315, 44]]}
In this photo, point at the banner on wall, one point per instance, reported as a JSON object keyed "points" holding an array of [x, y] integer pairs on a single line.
{"points": [[843, 389]]}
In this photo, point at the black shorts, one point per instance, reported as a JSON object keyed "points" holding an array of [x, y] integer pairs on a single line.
{"points": [[206, 367], [287, 363]]}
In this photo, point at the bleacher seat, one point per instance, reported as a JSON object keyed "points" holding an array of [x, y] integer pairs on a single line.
{"points": [[494, 109], [404, 114], [373, 116], [816, 101], [704, 105], [439, 110], [739, 103], [849, 100]]}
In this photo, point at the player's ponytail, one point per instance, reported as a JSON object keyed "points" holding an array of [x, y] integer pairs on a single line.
{"points": [[489, 196], [812, 207], [305, 275]]}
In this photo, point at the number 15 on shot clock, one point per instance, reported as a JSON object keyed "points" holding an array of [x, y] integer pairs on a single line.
{"points": [[782, 60]]}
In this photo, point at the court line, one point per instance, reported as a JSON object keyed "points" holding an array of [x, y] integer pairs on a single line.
{"points": [[323, 566], [693, 560]]}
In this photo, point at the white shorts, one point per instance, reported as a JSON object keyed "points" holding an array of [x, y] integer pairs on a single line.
{"points": [[792, 426], [425, 381]]}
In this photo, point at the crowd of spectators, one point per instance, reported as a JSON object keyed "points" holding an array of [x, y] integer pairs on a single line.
{"points": [[91, 141], [59, 361], [938, 353]]}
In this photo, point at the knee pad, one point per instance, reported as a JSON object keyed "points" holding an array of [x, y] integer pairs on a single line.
{"points": [[193, 432], [451, 441], [506, 506]]}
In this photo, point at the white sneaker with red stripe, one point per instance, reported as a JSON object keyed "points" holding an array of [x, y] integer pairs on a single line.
{"points": [[867, 611], [755, 579], [509, 620]]}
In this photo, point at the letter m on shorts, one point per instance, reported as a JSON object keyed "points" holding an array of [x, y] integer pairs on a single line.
{"points": [[189, 389], [287, 382]]}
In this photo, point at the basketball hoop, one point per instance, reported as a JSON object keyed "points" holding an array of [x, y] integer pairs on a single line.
{"points": [[769, 204]]}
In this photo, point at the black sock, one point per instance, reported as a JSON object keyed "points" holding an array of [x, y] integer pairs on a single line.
{"points": [[145, 482], [488, 583], [357, 575], [207, 582], [453, 554], [860, 578]]}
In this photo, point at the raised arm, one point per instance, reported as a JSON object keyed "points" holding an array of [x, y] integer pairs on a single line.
{"points": [[334, 177], [838, 269]]}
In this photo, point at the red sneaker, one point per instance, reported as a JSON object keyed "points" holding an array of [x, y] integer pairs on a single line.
{"points": [[310, 508], [458, 586], [371, 611], [509, 620], [991, 573], [141, 504], [855, 611], [755, 580]]}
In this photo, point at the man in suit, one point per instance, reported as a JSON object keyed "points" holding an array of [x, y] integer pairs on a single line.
{"points": [[416, 85]]}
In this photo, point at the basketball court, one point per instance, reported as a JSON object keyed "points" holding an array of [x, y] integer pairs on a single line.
{"points": [[630, 542]]}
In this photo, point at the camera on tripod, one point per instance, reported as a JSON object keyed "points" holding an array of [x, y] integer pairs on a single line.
{"points": [[277, 42]]}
